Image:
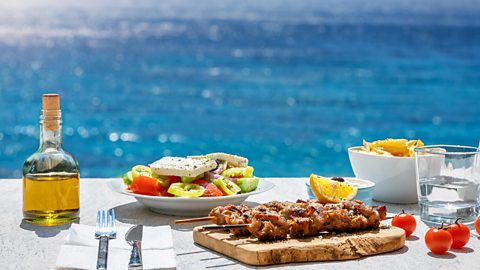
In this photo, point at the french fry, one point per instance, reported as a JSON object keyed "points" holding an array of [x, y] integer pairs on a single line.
{"points": [[412, 143], [381, 152], [392, 147]]}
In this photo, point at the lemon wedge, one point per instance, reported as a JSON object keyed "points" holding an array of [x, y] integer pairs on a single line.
{"points": [[331, 191]]}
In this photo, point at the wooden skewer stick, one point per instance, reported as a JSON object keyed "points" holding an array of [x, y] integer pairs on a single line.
{"points": [[223, 227], [236, 226], [218, 227], [192, 220]]}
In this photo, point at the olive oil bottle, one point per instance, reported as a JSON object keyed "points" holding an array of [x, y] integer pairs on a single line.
{"points": [[51, 175]]}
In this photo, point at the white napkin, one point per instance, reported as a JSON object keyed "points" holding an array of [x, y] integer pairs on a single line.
{"points": [[79, 251]]}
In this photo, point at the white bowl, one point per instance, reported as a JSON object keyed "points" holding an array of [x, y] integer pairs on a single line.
{"points": [[394, 177], [186, 206]]}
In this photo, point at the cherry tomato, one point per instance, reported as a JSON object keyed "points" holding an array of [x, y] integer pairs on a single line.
{"points": [[210, 189], [438, 240], [460, 234], [405, 221], [145, 185], [477, 224]]}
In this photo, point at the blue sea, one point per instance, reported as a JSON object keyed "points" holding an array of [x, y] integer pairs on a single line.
{"points": [[288, 84]]}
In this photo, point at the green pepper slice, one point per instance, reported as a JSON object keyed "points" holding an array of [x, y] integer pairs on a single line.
{"points": [[127, 178], [238, 172], [162, 180], [141, 170], [186, 190], [227, 186]]}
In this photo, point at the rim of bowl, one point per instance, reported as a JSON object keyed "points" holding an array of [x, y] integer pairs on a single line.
{"points": [[355, 149], [442, 149], [370, 183]]}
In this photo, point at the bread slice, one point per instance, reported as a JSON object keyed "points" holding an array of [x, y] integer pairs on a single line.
{"points": [[235, 161], [179, 166]]}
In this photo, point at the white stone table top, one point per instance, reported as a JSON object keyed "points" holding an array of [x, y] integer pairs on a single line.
{"points": [[24, 246]]}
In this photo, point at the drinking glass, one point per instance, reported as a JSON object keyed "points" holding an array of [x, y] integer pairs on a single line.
{"points": [[448, 179]]}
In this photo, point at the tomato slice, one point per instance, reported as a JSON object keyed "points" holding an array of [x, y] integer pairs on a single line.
{"points": [[174, 179], [145, 185], [210, 189], [165, 193], [186, 190]]}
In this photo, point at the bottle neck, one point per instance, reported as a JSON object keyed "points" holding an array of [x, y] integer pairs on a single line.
{"points": [[50, 129]]}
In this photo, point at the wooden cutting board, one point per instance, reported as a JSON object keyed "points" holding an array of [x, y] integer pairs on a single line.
{"points": [[322, 248]]}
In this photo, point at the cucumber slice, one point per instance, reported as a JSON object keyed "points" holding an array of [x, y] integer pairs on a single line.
{"points": [[248, 184], [127, 178]]}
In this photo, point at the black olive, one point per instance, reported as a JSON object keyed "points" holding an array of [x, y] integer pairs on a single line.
{"points": [[338, 179]]}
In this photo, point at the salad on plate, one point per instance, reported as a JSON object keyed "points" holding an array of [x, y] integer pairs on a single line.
{"points": [[211, 175]]}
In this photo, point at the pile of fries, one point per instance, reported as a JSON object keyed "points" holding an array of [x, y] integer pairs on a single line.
{"points": [[392, 147]]}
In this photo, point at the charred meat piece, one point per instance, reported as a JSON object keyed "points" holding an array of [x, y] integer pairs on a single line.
{"points": [[232, 215], [269, 226]]}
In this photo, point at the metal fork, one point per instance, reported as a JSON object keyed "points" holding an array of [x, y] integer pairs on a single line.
{"points": [[105, 229]]}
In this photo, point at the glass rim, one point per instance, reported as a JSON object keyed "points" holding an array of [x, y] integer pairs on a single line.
{"points": [[434, 149]]}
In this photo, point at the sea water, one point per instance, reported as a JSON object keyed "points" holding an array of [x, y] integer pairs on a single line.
{"points": [[288, 84], [446, 198]]}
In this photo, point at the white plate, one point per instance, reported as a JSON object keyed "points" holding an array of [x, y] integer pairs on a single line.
{"points": [[187, 206]]}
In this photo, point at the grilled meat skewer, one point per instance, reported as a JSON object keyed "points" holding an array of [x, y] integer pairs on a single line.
{"points": [[275, 220]]}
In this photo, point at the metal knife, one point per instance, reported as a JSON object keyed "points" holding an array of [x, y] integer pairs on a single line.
{"points": [[134, 238]]}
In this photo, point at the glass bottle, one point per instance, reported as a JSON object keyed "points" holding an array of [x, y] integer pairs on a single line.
{"points": [[51, 175]]}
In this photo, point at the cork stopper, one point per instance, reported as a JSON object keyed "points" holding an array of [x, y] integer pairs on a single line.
{"points": [[51, 102], [51, 111]]}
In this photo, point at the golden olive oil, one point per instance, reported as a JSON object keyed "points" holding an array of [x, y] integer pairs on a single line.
{"points": [[51, 174], [51, 199]]}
